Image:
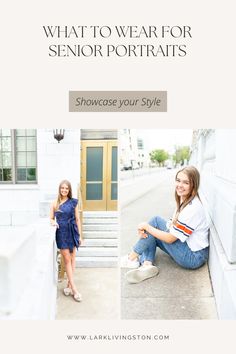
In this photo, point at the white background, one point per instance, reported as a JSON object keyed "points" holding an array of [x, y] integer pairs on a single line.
{"points": [[34, 94], [200, 86]]}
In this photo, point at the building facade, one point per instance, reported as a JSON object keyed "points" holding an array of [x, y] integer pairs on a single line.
{"points": [[133, 154], [213, 153], [32, 164]]}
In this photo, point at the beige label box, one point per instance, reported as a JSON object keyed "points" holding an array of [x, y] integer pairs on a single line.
{"points": [[118, 101]]}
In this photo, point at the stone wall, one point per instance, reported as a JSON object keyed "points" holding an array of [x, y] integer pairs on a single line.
{"points": [[213, 152], [28, 272]]}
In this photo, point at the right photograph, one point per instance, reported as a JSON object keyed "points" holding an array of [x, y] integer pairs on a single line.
{"points": [[178, 224]]}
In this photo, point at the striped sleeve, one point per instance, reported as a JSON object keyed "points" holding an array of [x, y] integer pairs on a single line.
{"points": [[182, 230], [188, 220]]}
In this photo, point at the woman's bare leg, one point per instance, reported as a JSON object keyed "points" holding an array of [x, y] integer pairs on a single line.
{"points": [[147, 263], [73, 255], [69, 270], [133, 255]]}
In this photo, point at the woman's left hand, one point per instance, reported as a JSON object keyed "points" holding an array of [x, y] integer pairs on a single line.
{"points": [[54, 223]]}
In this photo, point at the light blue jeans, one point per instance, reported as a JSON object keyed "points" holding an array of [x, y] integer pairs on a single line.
{"points": [[179, 251]]}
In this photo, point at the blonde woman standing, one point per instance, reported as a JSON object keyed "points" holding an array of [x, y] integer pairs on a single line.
{"points": [[64, 214], [184, 238]]}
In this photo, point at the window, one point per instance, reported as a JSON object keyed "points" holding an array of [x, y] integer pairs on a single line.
{"points": [[18, 153], [5, 155]]}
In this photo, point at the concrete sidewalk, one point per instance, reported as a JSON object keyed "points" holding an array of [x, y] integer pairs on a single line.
{"points": [[100, 291], [176, 293]]}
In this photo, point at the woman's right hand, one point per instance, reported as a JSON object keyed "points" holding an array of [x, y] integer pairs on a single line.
{"points": [[142, 234], [54, 223], [142, 230]]}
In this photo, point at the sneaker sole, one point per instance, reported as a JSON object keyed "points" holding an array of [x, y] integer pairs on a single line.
{"points": [[137, 276]]}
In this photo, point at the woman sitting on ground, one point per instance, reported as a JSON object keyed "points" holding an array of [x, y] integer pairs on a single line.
{"points": [[184, 237]]}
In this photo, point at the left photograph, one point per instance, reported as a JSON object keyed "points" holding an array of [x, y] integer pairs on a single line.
{"points": [[59, 224]]}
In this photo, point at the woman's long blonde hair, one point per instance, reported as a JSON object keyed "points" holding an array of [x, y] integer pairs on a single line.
{"points": [[194, 180], [68, 184]]}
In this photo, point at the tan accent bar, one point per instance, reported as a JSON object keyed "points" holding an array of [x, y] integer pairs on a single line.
{"points": [[118, 101]]}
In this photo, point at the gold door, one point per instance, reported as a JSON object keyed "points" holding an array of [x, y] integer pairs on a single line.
{"points": [[99, 174]]}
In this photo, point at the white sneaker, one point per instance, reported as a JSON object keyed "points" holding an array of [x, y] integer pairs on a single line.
{"points": [[125, 262], [144, 272]]}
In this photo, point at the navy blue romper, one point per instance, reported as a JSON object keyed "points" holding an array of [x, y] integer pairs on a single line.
{"points": [[67, 235]]}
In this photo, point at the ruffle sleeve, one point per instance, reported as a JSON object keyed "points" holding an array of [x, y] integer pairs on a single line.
{"points": [[74, 202]]}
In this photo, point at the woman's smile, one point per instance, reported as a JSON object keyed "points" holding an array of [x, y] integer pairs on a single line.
{"points": [[182, 185], [64, 190]]}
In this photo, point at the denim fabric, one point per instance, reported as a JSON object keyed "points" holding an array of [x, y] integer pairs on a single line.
{"points": [[179, 251]]}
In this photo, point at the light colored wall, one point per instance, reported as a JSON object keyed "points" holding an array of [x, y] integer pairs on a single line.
{"points": [[28, 272], [19, 204], [214, 154], [58, 161], [22, 204]]}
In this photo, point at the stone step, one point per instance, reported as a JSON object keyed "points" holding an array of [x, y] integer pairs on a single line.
{"points": [[100, 234], [104, 242], [96, 262], [97, 251], [96, 220], [100, 227], [100, 214], [100, 247]]}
